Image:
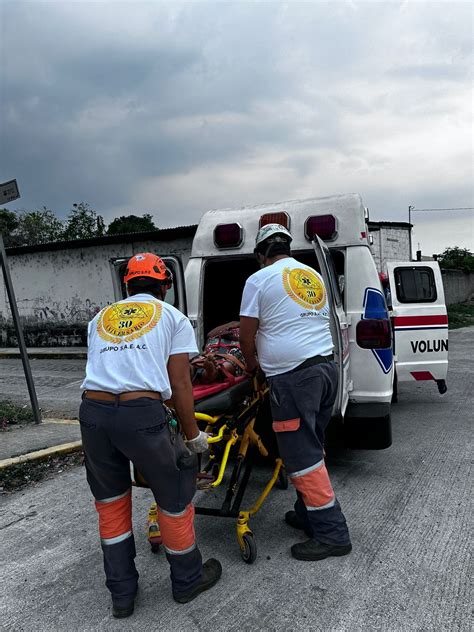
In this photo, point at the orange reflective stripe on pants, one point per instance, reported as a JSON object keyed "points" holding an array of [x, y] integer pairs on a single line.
{"points": [[177, 530], [314, 485], [115, 517]]}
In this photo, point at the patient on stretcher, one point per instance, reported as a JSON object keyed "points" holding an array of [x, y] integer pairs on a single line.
{"points": [[221, 359]]}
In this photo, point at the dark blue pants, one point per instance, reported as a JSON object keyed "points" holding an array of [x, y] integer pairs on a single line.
{"points": [[301, 403], [113, 434]]}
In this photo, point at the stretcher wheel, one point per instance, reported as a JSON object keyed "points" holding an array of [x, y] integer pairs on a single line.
{"points": [[249, 552], [282, 478], [155, 548]]}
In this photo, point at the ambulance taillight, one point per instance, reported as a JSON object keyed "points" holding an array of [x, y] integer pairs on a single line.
{"points": [[324, 226], [281, 218], [374, 333], [228, 235]]}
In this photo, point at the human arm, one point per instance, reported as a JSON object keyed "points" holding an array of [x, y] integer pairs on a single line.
{"points": [[181, 386], [248, 331]]}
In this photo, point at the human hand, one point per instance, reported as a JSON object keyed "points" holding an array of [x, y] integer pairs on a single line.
{"points": [[199, 443]]}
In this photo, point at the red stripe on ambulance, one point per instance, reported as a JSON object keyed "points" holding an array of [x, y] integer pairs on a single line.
{"points": [[419, 321]]}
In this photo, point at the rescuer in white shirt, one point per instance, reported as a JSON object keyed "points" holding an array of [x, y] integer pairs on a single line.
{"points": [[284, 321], [138, 356]]}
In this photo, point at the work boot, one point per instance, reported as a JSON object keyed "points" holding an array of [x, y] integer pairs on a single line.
{"points": [[291, 518], [211, 573], [123, 611], [312, 550]]}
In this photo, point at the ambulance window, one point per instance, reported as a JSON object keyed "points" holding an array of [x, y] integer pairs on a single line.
{"points": [[334, 280], [415, 285]]}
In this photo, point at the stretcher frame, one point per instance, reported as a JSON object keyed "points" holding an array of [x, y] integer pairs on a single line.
{"points": [[233, 427]]}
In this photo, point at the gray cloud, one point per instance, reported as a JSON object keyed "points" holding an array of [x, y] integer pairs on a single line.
{"points": [[175, 107]]}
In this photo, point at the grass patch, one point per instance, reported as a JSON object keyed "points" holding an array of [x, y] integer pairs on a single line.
{"points": [[11, 413], [461, 315], [18, 476]]}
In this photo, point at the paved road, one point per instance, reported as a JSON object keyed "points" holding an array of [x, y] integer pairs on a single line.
{"points": [[408, 509], [57, 384]]}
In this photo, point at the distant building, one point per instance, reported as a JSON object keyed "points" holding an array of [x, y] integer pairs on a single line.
{"points": [[391, 242]]}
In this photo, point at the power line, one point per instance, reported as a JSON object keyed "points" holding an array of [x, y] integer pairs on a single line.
{"points": [[457, 208]]}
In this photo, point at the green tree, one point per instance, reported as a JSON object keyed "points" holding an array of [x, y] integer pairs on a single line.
{"points": [[131, 224], [37, 227], [83, 223], [457, 258], [8, 225]]}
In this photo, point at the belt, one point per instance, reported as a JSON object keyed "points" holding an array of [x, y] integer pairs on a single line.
{"points": [[318, 359], [103, 396]]}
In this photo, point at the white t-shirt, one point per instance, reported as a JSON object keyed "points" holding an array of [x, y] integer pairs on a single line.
{"points": [[290, 301], [130, 343]]}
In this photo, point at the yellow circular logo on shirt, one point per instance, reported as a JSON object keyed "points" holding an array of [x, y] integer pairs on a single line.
{"points": [[123, 322], [305, 287]]}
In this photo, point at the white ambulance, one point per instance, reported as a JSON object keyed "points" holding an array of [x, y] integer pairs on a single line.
{"points": [[330, 234]]}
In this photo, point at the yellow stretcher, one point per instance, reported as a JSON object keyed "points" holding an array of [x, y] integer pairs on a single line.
{"points": [[234, 443]]}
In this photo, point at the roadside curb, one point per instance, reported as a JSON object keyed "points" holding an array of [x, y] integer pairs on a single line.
{"points": [[57, 420], [39, 455]]}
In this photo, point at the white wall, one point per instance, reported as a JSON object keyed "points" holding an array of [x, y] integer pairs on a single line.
{"points": [[390, 244], [68, 287]]}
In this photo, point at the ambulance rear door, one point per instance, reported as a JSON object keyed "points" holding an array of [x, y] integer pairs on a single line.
{"points": [[420, 322], [176, 296], [339, 324]]}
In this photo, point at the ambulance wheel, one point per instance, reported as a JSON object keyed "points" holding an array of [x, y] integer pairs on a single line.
{"points": [[282, 481], [372, 433], [249, 552]]}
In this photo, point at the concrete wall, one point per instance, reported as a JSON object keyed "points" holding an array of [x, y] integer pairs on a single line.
{"points": [[458, 286], [59, 291], [390, 244]]}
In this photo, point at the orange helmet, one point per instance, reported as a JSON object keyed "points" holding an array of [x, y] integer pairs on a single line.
{"points": [[148, 265]]}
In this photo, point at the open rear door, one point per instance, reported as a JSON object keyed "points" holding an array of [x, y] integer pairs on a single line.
{"points": [[176, 296], [420, 321], [339, 325]]}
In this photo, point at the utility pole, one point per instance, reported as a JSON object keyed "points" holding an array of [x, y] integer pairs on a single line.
{"points": [[19, 333], [8, 192], [410, 209]]}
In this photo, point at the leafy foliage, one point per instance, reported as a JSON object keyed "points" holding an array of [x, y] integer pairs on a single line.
{"points": [[83, 223], [461, 315], [11, 413], [28, 228], [131, 224], [37, 227], [457, 258], [8, 225]]}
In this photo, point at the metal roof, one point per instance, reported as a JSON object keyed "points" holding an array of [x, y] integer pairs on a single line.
{"points": [[164, 234]]}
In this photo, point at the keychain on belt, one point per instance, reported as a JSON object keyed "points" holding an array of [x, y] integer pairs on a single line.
{"points": [[173, 425]]}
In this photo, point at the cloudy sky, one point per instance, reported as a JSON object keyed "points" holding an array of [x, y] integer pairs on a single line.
{"points": [[176, 108]]}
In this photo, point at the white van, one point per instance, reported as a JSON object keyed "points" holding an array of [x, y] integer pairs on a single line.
{"points": [[331, 235]]}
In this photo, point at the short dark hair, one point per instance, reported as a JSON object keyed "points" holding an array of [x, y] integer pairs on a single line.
{"points": [[145, 285], [272, 248]]}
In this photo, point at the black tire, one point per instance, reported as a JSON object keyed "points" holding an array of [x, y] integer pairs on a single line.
{"points": [[282, 481], [249, 553], [368, 433]]}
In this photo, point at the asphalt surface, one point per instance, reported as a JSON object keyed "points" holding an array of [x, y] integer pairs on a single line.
{"points": [[408, 509], [57, 384]]}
